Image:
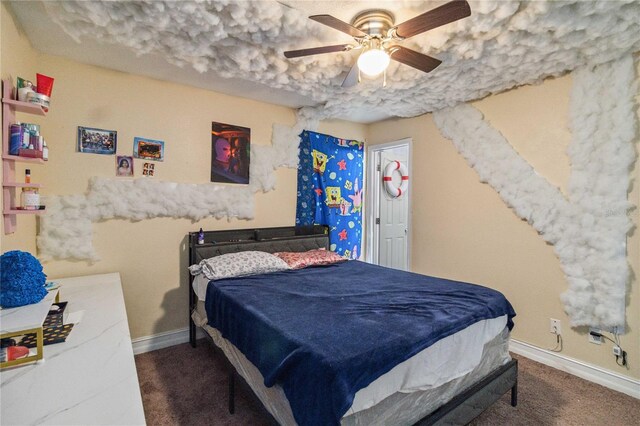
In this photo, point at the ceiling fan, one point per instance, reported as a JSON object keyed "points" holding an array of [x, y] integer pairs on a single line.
{"points": [[377, 36]]}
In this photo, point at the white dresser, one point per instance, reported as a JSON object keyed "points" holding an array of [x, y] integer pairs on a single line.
{"points": [[91, 378]]}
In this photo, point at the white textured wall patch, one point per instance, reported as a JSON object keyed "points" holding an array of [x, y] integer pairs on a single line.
{"points": [[588, 229]]}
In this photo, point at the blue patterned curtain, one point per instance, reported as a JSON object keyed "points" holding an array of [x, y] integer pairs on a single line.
{"points": [[330, 189]]}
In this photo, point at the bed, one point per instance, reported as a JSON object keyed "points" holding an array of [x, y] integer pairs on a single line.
{"points": [[419, 383]]}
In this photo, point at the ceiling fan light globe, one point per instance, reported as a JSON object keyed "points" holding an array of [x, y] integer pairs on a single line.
{"points": [[373, 62]]}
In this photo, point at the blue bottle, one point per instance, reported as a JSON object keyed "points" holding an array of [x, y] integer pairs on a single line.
{"points": [[201, 236], [15, 141]]}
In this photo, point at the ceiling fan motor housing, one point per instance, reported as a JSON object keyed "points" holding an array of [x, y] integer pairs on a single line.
{"points": [[374, 22]]}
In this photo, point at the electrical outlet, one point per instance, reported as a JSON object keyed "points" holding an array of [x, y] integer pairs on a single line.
{"points": [[617, 351], [554, 326], [595, 339]]}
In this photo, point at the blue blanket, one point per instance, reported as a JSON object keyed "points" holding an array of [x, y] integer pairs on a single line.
{"points": [[324, 333]]}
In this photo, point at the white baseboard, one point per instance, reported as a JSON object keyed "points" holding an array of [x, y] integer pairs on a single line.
{"points": [[163, 340], [589, 372]]}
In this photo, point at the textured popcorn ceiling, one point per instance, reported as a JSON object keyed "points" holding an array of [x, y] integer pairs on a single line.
{"points": [[503, 44]]}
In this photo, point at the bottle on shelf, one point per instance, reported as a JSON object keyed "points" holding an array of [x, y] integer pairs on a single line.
{"points": [[27, 176], [15, 142], [30, 199], [45, 151], [25, 90], [26, 137], [201, 236]]}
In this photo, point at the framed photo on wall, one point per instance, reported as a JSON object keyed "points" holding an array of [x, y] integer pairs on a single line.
{"points": [[124, 165], [148, 169], [230, 153], [97, 141], [148, 149]]}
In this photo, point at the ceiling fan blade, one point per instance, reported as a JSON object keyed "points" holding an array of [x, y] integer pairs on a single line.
{"points": [[339, 25], [316, 50], [414, 59], [352, 77], [448, 12]]}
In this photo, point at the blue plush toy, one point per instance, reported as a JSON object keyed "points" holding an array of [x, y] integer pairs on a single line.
{"points": [[22, 279]]}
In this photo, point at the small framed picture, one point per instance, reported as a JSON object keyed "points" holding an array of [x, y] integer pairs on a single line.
{"points": [[148, 149], [97, 141], [124, 165], [148, 169]]}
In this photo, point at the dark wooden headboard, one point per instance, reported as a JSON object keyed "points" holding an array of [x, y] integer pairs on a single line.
{"points": [[271, 240]]}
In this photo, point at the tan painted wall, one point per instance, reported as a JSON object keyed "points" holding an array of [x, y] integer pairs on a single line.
{"points": [[461, 228], [464, 231], [150, 255], [15, 54]]}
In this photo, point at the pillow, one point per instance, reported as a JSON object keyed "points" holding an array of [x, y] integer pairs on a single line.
{"points": [[238, 264], [299, 260]]}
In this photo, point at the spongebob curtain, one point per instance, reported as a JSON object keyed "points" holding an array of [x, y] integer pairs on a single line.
{"points": [[330, 189]]}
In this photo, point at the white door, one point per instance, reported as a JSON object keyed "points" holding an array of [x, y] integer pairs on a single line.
{"points": [[392, 221]]}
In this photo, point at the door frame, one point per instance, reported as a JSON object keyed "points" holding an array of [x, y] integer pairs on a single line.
{"points": [[374, 189]]}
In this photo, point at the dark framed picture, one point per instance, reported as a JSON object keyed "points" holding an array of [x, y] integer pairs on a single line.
{"points": [[97, 141], [230, 153], [148, 149], [124, 165]]}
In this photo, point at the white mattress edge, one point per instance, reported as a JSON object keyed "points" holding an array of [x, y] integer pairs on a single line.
{"points": [[428, 369]]}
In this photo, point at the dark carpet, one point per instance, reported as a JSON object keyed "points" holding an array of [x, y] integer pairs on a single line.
{"points": [[185, 386]]}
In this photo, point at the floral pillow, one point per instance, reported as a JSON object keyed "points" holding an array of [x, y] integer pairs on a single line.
{"points": [[299, 260], [238, 265]]}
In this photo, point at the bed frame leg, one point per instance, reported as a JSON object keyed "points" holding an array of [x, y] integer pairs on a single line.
{"points": [[232, 391], [514, 394], [192, 333]]}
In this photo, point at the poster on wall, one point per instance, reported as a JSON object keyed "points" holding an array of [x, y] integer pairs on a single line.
{"points": [[97, 141], [148, 149], [230, 153]]}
